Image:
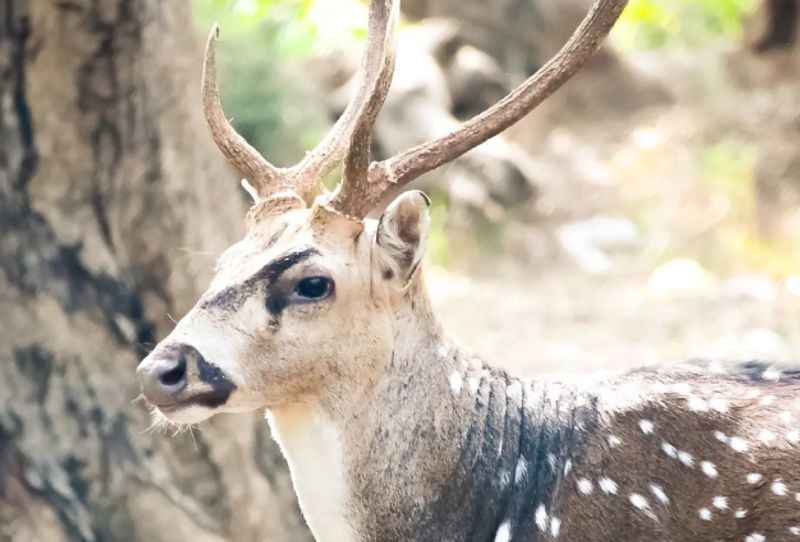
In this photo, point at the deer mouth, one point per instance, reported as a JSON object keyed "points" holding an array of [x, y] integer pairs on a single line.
{"points": [[211, 399]]}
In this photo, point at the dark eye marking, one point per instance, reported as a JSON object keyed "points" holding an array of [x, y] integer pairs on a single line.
{"points": [[232, 297]]}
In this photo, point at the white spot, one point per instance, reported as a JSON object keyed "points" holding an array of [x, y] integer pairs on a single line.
{"points": [[709, 469], [473, 383], [646, 426], [541, 517], [716, 367], [720, 436], [551, 460], [683, 388], [697, 404], [752, 393], [797, 497], [740, 513], [778, 488], [786, 416], [720, 503], [641, 503], [659, 493], [719, 404], [705, 514], [767, 437], [739, 444], [503, 532], [555, 527], [614, 441], [771, 374], [585, 486], [514, 391], [754, 478], [755, 537], [607, 486], [767, 400], [521, 471], [456, 382], [794, 530], [669, 449], [793, 436], [567, 467], [686, 458]]}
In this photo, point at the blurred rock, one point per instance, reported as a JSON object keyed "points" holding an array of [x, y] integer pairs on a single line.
{"points": [[589, 242], [681, 278], [756, 287]]}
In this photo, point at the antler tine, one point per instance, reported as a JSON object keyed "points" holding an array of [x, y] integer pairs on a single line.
{"points": [[379, 60], [265, 177], [405, 167], [351, 135]]}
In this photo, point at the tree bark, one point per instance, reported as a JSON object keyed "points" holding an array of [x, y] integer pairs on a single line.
{"points": [[774, 25], [113, 203]]}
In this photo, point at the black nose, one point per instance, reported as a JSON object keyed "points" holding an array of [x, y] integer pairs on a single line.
{"points": [[163, 375], [172, 374]]}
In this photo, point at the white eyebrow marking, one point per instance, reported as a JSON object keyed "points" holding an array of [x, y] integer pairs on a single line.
{"points": [[614, 441], [755, 537], [646, 426], [585, 486], [705, 514]]}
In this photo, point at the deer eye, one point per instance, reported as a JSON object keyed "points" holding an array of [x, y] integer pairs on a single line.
{"points": [[314, 287]]}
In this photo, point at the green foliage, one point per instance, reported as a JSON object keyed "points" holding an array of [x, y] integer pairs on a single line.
{"points": [[261, 40], [651, 24]]}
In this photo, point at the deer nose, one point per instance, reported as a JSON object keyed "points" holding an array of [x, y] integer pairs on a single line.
{"points": [[163, 377]]}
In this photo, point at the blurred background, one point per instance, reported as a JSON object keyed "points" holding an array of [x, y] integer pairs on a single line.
{"points": [[648, 212]]}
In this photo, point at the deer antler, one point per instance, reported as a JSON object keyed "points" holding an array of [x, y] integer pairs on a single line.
{"points": [[262, 175], [351, 132], [364, 186]]}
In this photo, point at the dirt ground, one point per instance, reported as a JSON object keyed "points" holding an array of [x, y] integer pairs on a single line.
{"points": [[648, 240]]}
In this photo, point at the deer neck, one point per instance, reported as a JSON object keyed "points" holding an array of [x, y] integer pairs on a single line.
{"points": [[438, 448]]}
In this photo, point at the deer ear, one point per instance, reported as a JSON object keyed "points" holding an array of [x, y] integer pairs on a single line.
{"points": [[402, 236]]}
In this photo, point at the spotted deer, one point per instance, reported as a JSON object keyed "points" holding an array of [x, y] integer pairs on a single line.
{"points": [[320, 317]]}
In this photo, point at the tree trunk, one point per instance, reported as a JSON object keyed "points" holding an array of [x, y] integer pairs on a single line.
{"points": [[774, 25], [113, 203]]}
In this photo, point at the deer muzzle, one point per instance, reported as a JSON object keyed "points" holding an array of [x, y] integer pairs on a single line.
{"points": [[176, 376]]}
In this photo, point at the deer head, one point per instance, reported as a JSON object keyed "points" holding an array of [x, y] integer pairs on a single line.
{"points": [[308, 303]]}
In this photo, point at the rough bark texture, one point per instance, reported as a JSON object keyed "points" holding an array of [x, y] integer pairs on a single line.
{"points": [[113, 203]]}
